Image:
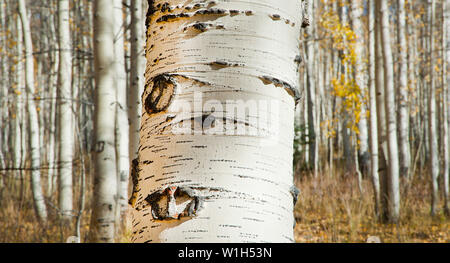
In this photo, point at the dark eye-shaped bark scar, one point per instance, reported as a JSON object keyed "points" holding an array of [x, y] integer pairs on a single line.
{"points": [[174, 203], [161, 95]]}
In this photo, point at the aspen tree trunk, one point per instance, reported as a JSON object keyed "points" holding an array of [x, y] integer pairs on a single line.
{"points": [[53, 82], [346, 136], [403, 101], [65, 112], [381, 118], [137, 67], [105, 178], [205, 174], [20, 95], [36, 187], [363, 137], [123, 164], [311, 87], [5, 78], [373, 109], [413, 87], [3, 88], [432, 126], [391, 126], [446, 103]]}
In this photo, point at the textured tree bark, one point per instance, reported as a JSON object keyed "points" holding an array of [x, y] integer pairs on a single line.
{"points": [[403, 101], [123, 164], [373, 139], [53, 142], [381, 119], [20, 94], [3, 88], [105, 177], [363, 135], [215, 156], [65, 112], [38, 197], [311, 88], [391, 126], [432, 126], [446, 103], [137, 68]]}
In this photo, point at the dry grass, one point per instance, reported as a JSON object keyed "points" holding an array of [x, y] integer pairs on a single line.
{"points": [[333, 210], [328, 210]]}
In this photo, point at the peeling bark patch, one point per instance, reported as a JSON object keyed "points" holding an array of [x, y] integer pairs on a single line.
{"points": [[234, 12], [200, 26], [275, 17], [248, 13], [135, 180], [211, 11], [211, 4], [162, 94], [165, 7], [216, 65], [219, 65], [174, 203], [294, 92], [171, 17]]}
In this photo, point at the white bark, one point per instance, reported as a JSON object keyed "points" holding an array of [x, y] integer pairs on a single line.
{"points": [[432, 126], [311, 88], [363, 135], [393, 165], [446, 103], [65, 112], [403, 101], [20, 95], [123, 164], [34, 144], [373, 110], [137, 69], [202, 186], [105, 179], [53, 142]]}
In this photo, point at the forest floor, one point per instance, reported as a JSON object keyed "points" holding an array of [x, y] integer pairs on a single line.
{"points": [[334, 210], [328, 210]]}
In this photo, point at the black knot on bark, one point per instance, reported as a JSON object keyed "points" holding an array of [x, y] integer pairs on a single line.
{"points": [[161, 95]]}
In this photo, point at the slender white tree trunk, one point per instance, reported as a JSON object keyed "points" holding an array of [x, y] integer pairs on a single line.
{"points": [[53, 141], [403, 101], [3, 89], [205, 174], [137, 68], [105, 178], [432, 126], [360, 78], [36, 187], [20, 98], [446, 103], [391, 126], [123, 164], [373, 109], [65, 112], [311, 86]]}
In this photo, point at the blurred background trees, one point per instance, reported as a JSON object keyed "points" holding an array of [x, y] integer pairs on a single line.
{"points": [[372, 125]]}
